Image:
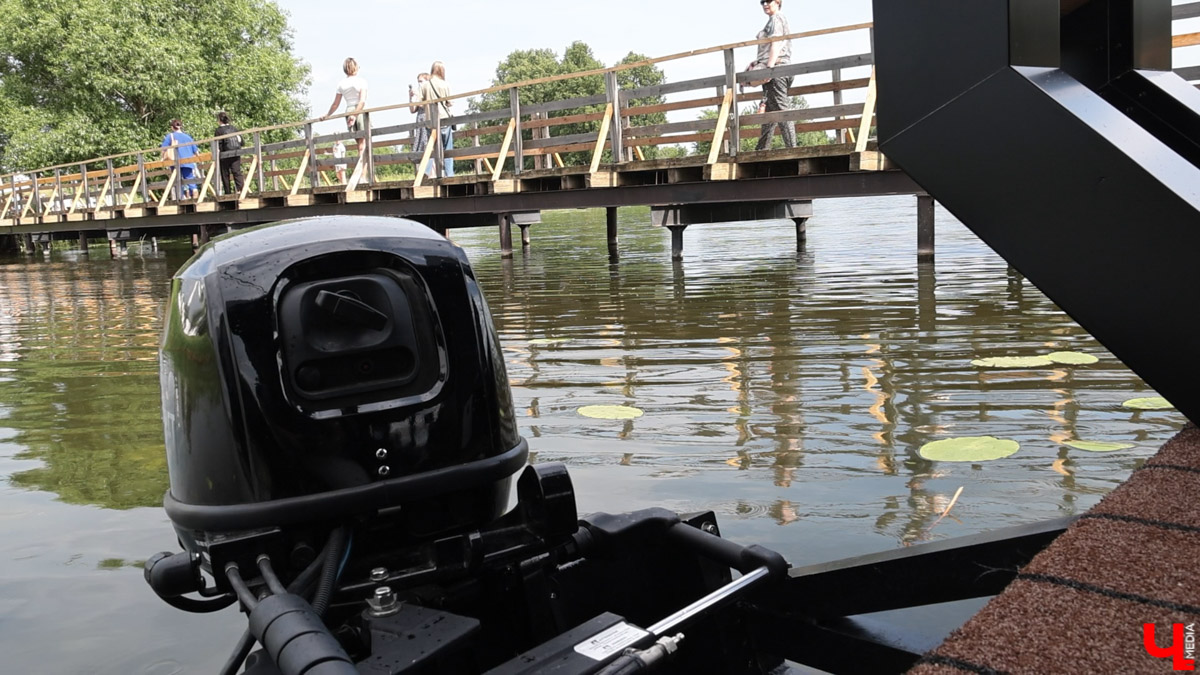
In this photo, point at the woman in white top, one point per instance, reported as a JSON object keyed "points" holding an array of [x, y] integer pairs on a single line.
{"points": [[353, 89]]}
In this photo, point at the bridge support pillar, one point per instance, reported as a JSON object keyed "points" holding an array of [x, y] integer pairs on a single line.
{"points": [[83, 242], [925, 230], [506, 224], [681, 215], [677, 241], [27, 242], [610, 218], [801, 232], [524, 234]]}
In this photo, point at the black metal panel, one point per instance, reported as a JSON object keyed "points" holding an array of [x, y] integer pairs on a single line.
{"points": [[920, 34], [1033, 33], [1100, 215], [964, 567]]}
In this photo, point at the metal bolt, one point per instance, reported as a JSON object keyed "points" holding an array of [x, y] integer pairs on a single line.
{"points": [[381, 453], [379, 574], [384, 470], [383, 602], [709, 527]]}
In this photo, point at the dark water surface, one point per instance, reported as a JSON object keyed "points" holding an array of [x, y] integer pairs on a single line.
{"points": [[788, 391]]}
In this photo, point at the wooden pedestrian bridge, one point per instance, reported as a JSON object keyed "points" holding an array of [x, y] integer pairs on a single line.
{"points": [[514, 162]]}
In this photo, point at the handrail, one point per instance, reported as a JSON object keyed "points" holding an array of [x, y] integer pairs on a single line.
{"points": [[478, 92]]}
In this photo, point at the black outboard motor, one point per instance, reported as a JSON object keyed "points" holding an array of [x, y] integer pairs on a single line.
{"points": [[341, 442]]}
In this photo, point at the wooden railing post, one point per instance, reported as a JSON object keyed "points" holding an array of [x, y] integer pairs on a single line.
{"points": [[83, 185], [219, 185], [837, 100], [37, 195], [475, 143], [514, 106], [179, 176], [142, 175], [439, 165], [370, 149], [735, 123], [58, 192], [258, 153], [314, 172], [613, 91], [113, 185], [10, 198]]}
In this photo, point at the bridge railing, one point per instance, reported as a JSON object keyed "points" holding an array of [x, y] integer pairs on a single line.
{"points": [[142, 182], [496, 144]]}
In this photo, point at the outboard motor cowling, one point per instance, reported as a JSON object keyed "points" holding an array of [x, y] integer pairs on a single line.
{"points": [[319, 369]]}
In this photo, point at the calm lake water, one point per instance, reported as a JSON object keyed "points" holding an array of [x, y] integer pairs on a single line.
{"points": [[788, 391]]}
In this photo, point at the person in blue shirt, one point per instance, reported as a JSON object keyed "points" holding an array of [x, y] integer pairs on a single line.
{"points": [[179, 145]]}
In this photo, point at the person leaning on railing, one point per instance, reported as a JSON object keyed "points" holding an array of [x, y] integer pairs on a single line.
{"points": [[775, 91]]}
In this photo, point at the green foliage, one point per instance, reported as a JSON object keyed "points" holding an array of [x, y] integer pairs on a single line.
{"points": [[87, 78], [749, 144], [532, 64]]}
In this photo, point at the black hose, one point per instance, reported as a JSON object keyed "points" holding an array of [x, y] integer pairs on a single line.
{"points": [[243, 591], [268, 574], [242, 649], [329, 569], [626, 664]]}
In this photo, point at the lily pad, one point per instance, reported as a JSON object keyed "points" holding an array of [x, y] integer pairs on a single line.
{"points": [[548, 341], [610, 412], [1013, 362], [1072, 358], [969, 449], [1149, 403], [1098, 446]]}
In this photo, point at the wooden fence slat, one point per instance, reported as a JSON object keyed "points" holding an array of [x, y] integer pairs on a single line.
{"points": [[868, 113], [722, 119], [249, 177], [598, 152], [504, 145], [300, 173], [213, 168], [133, 191], [167, 190], [420, 169]]}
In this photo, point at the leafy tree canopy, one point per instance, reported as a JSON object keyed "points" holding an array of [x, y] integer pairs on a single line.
{"points": [[86, 78]]}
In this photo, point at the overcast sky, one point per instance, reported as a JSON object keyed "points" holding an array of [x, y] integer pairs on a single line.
{"points": [[393, 40]]}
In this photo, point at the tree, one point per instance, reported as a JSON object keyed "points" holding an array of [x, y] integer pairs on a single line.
{"points": [[531, 64], [87, 78], [749, 144]]}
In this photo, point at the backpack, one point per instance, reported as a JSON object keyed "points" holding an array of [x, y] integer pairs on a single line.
{"points": [[233, 142]]}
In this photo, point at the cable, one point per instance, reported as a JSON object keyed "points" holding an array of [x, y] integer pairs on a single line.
{"points": [[243, 591], [199, 606], [242, 649], [334, 552], [268, 575]]}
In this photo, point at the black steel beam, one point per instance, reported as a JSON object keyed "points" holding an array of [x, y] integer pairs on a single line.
{"points": [[1087, 204], [956, 569]]}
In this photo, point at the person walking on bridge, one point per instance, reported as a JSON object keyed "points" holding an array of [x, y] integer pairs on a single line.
{"points": [[775, 91], [231, 167], [353, 90], [179, 145]]}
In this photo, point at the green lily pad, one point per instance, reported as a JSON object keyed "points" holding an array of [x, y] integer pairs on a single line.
{"points": [[1098, 446], [1013, 362], [548, 341], [610, 412], [969, 449], [1149, 403], [1072, 358]]}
